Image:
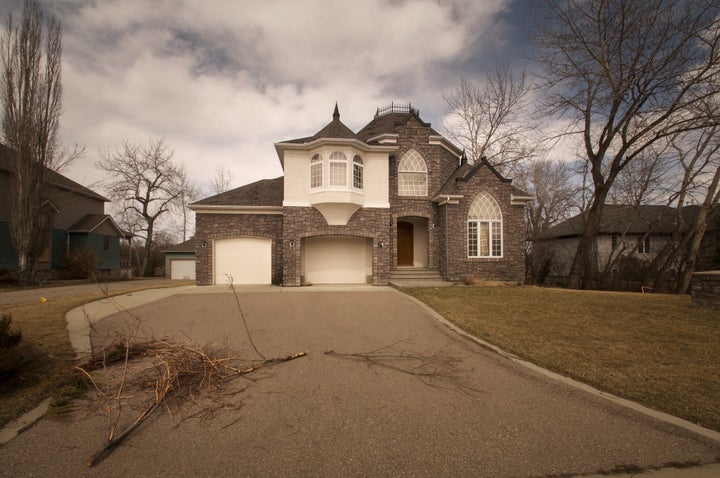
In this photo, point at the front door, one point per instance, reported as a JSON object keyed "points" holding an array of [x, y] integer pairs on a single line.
{"points": [[404, 243]]}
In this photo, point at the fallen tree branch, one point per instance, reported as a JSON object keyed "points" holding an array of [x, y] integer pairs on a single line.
{"points": [[179, 372]]}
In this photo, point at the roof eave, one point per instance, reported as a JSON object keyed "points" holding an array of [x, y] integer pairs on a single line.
{"points": [[443, 199]]}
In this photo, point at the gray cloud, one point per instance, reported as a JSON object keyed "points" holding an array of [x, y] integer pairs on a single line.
{"points": [[223, 80]]}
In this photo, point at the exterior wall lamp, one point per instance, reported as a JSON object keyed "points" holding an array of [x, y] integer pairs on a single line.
{"points": [[292, 242]]}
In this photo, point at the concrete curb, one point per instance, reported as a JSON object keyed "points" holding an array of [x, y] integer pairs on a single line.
{"points": [[14, 428], [664, 417], [80, 319]]}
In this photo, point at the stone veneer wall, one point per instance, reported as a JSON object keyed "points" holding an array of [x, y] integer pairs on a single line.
{"points": [[210, 227], [511, 266], [705, 289], [302, 222], [440, 164]]}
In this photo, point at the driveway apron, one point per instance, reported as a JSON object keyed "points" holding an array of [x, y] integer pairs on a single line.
{"points": [[401, 395]]}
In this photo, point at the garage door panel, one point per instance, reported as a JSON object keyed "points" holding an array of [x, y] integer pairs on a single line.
{"points": [[247, 260], [335, 260], [182, 269]]}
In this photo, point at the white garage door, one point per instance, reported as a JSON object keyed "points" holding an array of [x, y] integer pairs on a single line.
{"points": [[335, 260], [182, 269], [248, 260]]}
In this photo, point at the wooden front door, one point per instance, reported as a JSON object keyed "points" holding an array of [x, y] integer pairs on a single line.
{"points": [[404, 243]]}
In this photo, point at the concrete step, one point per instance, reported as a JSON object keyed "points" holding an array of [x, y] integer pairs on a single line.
{"points": [[415, 277]]}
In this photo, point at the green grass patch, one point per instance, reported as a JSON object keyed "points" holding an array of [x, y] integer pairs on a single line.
{"points": [[659, 350]]}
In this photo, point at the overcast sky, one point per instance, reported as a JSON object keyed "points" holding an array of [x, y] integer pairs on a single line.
{"points": [[222, 80]]}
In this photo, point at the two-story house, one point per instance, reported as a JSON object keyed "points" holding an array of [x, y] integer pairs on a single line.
{"points": [[353, 207], [74, 218]]}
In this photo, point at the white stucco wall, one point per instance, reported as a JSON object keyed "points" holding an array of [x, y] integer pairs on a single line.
{"points": [[375, 192]]}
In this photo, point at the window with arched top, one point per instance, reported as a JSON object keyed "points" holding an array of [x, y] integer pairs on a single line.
{"points": [[338, 168], [412, 175], [316, 171], [484, 227], [357, 172]]}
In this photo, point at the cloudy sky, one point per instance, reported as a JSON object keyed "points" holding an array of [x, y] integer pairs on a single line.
{"points": [[222, 80]]}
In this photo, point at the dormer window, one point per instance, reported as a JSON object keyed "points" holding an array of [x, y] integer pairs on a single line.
{"points": [[338, 169], [412, 175], [357, 172], [316, 172]]}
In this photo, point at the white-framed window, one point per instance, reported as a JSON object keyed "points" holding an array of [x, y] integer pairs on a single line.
{"points": [[484, 227], [644, 245], [357, 172], [412, 175], [316, 171], [338, 169]]}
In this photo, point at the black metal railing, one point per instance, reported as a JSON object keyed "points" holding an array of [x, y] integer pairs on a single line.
{"points": [[397, 108]]}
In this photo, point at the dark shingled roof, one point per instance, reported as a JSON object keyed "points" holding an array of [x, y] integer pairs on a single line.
{"points": [[334, 129], [465, 171], [187, 246], [625, 219], [266, 192], [388, 123], [53, 178], [92, 221]]}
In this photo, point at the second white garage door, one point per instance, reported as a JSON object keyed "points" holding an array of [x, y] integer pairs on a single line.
{"points": [[248, 260], [182, 269], [335, 260]]}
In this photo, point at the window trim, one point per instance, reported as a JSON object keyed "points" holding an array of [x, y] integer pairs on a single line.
{"points": [[337, 158], [315, 162], [411, 155], [358, 166], [494, 227]]}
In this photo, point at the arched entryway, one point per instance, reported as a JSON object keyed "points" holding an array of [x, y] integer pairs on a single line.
{"points": [[412, 242]]}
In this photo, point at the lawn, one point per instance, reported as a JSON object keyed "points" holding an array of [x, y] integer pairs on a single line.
{"points": [[656, 349], [48, 370]]}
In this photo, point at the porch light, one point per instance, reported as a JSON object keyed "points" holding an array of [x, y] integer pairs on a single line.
{"points": [[292, 242]]}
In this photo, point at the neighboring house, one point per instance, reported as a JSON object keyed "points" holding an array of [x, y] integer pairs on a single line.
{"points": [[628, 235], [180, 260], [76, 221], [357, 207]]}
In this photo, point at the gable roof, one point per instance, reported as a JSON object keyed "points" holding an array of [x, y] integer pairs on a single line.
{"points": [[263, 193], [625, 219], [465, 171], [91, 222], [53, 178], [187, 246]]}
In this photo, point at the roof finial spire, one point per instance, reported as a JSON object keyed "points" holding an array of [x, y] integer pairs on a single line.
{"points": [[336, 113]]}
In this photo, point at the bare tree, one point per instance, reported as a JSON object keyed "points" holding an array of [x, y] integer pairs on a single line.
{"points": [[147, 184], [222, 181], [489, 119], [629, 74], [189, 192], [555, 188], [698, 154], [31, 106]]}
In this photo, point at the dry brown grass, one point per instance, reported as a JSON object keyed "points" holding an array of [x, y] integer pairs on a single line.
{"points": [[655, 349], [46, 346]]}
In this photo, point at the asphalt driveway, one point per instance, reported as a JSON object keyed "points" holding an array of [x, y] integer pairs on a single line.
{"points": [[424, 402]]}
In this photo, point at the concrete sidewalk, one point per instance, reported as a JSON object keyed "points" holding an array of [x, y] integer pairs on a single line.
{"points": [[475, 414]]}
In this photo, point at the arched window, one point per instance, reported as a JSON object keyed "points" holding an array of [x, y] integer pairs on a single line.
{"points": [[316, 171], [357, 172], [412, 175], [338, 169], [484, 227]]}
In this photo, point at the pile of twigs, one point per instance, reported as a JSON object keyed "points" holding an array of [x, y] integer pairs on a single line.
{"points": [[174, 373]]}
